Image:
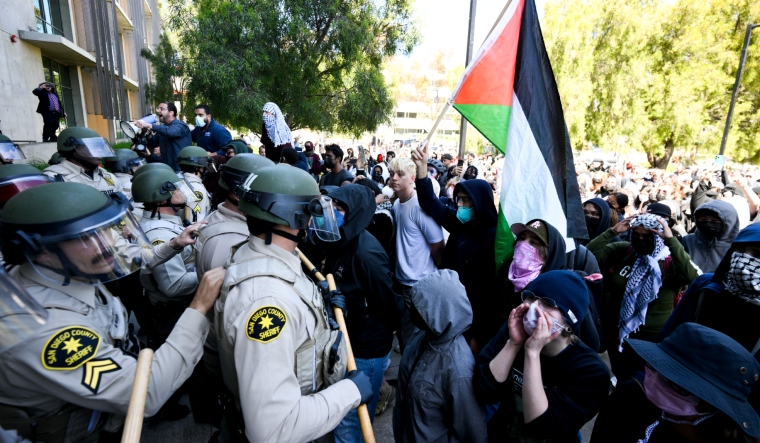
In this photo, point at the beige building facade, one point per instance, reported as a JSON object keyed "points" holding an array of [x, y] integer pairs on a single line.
{"points": [[90, 49]]}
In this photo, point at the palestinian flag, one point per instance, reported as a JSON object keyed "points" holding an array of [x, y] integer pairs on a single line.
{"points": [[509, 94]]}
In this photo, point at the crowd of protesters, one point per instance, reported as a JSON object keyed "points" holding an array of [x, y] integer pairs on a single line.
{"points": [[649, 324]]}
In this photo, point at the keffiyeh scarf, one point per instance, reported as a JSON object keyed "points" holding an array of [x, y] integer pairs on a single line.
{"points": [[744, 277], [277, 129], [644, 281]]}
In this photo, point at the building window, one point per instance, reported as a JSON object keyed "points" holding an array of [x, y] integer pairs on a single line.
{"points": [[58, 75], [48, 13]]}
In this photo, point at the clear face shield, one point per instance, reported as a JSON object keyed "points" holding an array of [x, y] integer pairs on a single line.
{"points": [[20, 313], [323, 223], [9, 152], [109, 251], [94, 147]]}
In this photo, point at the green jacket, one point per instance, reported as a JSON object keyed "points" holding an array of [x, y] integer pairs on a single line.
{"points": [[616, 262]]}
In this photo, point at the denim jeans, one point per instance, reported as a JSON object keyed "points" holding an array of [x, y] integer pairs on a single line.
{"points": [[349, 431]]}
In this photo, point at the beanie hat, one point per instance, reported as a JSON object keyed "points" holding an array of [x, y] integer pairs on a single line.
{"points": [[572, 300]]}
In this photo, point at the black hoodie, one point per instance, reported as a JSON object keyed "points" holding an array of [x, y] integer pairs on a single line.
{"points": [[470, 251], [604, 220], [360, 267]]}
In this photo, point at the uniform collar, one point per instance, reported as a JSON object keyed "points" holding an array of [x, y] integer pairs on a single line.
{"points": [[228, 213], [81, 291], [192, 177], [291, 259], [80, 170], [164, 217]]}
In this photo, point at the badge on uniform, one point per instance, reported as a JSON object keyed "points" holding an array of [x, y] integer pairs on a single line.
{"points": [[109, 180], [70, 348], [266, 324], [93, 369]]}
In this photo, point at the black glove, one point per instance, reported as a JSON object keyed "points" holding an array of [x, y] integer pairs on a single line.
{"points": [[362, 383], [338, 300], [323, 288]]}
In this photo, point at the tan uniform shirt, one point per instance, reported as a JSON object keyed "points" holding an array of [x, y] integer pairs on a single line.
{"points": [[269, 310], [102, 180], [75, 356], [226, 228], [174, 280], [202, 204]]}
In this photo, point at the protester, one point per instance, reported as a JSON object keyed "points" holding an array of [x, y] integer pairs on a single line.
{"points": [[695, 389], [362, 274], [208, 134], [597, 214], [643, 278], [470, 247], [435, 399], [275, 133], [171, 135], [291, 157], [419, 239], [313, 159], [382, 226], [717, 226], [337, 175], [546, 382]]}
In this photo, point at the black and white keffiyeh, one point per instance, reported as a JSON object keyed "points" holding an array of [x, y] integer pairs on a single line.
{"points": [[744, 277], [277, 129], [644, 281]]}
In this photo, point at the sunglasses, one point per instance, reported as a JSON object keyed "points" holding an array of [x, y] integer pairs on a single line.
{"points": [[543, 302]]}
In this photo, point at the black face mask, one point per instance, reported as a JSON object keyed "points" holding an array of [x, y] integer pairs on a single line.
{"points": [[468, 176], [378, 177], [592, 223], [642, 247], [329, 162], [710, 229]]}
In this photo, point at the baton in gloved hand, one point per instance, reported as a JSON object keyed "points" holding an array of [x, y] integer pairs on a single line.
{"points": [[364, 422], [134, 421]]}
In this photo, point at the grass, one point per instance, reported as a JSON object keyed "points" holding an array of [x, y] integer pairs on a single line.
{"points": [[122, 145], [37, 163]]}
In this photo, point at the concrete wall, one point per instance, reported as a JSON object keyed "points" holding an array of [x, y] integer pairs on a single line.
{"points": [[20, 72]]}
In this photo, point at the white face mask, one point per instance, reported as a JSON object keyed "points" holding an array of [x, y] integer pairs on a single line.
{"points": [[199, 121], [530, 321]]}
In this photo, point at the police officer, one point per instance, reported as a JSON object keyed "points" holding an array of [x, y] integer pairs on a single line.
{"points": [[16, 178], [9, 151], [226, 226], [169, 286], [83, 150], [123, 163], [192, 162], [73, 377], [280, 358]]}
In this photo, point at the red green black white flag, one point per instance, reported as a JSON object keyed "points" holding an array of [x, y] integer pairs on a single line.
{"points": [[509, 94]]}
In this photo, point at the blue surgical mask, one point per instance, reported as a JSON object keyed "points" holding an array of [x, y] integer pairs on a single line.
{"points": [[338, 218], [199, 121], [465, 214]]}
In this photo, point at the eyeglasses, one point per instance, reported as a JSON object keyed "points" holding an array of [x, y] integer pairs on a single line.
{"points": [[463, 199], [543, 302]]}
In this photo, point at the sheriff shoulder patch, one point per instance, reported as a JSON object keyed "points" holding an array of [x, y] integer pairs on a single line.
{"points": [[157, 242], [266, 324], [93, 369], [70, 348], [198, 196]]}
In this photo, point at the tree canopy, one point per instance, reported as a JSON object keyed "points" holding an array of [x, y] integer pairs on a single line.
{"points": [[319, 60], [656, 75]]}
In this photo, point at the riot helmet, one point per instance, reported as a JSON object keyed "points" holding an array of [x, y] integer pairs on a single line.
{"points": [[16, 178]]}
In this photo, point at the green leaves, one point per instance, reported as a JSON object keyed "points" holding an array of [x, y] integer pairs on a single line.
{"points": [[655, 75], [319, 60]]}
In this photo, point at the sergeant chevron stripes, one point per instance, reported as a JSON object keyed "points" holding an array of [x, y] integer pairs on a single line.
{"points": [[93, 369]]}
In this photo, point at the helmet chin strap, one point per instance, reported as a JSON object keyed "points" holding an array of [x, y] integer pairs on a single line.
{"points": [[294, 238]]}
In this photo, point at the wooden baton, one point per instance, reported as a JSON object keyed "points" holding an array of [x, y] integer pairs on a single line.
{"points": [[134, 421]]}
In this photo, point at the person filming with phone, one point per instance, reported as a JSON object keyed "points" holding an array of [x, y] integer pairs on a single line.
{"points": [[51, 109]]}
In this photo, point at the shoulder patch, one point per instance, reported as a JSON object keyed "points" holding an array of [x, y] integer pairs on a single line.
{"points": [[70, 348], [108, 179], [198, 196], [157, 242], [93, 369], [266, 324]]}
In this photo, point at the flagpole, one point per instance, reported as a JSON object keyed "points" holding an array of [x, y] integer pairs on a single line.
{"points": [[437, 122]]}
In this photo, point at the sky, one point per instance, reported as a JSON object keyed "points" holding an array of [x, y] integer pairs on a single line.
{"points": [[443, 24]]}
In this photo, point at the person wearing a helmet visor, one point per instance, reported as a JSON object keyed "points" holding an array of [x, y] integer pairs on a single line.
{"points": [[9, 151], [78, 355]]}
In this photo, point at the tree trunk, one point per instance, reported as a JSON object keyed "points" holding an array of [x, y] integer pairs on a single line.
{"points": [[661, 161]]}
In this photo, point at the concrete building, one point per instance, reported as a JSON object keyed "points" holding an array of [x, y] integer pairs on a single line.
{"points": [[90, 49], [412, 121]]}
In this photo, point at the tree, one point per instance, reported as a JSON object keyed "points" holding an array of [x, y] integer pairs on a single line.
{"points": [[655, 75], [169, 71], [319, 60]]}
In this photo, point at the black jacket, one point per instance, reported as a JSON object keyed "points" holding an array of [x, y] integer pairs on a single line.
{"points": [[360, 267], [44, 104], [470, 251]]}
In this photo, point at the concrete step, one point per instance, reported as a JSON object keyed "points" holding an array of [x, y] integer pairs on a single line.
{"points": [[38, 151]]}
